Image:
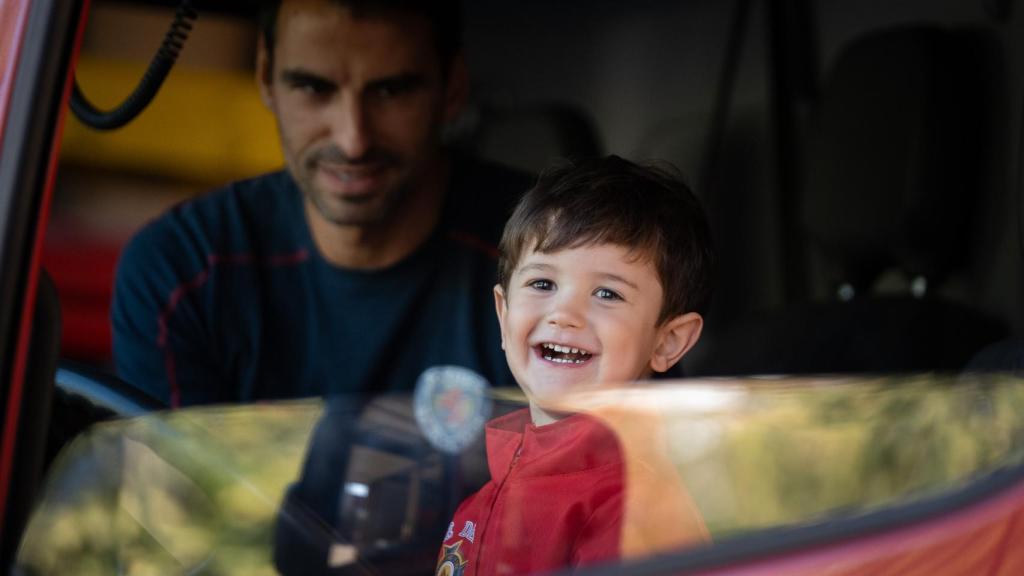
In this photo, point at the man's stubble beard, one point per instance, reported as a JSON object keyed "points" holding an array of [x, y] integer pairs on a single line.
{"points": [[388, 203], [387, 199]]}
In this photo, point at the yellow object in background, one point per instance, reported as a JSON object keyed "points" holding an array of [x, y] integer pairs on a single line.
{"points": [[205, 126]]}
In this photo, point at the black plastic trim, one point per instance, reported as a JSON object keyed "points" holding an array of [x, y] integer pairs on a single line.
{"points": [[27, 142], [28, 139]]}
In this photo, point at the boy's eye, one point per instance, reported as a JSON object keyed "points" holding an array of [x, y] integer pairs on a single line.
{"points": [[606, 294], [541, 284]]}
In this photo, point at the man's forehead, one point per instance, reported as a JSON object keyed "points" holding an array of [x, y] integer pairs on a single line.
{"points": [[298, 19], [319, 35]]}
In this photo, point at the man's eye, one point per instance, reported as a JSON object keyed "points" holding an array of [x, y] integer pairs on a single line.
{"points": [[394, 87], [313, 87], [385, 91], [541, 284], [606, 294]]}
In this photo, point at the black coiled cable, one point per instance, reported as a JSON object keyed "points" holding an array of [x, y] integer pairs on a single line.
{"points": [[150, 83]]}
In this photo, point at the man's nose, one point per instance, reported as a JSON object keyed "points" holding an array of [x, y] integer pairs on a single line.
{"points": [[351, 127], [567, 311]]}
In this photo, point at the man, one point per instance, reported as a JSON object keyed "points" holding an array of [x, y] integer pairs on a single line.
{"points": [[362, 264]]}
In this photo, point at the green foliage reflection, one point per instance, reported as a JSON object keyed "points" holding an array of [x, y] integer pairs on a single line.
{"points": [[798, 451], [192, 491]]}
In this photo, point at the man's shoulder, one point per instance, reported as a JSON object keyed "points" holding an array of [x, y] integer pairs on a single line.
{"points": [[222, 218], [264, 197]]}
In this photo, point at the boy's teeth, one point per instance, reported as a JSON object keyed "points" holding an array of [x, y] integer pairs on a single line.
{"points": [[579, 356]]}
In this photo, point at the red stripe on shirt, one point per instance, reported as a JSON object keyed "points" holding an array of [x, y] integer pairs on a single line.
{"points": [[197, 281]]}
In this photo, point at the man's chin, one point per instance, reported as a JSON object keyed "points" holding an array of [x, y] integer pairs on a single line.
{"points": [[347, 212], [354, 189], [362, 202]]}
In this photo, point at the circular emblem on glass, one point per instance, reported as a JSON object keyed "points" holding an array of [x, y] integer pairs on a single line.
{"points": [[451, 406]]}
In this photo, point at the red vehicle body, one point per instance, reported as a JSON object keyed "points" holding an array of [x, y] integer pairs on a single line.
{"points": [[972, 528]]}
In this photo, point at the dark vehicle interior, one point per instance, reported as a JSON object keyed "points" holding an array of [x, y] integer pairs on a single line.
{"points": [[860, 162], [857, 162]]}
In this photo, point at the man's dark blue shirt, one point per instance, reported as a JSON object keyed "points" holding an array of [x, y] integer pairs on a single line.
{"points": [[227, 299]]}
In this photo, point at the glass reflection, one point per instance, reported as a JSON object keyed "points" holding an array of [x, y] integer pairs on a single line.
{"points": [[353, 485]]}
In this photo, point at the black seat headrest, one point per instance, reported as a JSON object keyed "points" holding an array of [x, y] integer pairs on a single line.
{"points": [[896, 152]]}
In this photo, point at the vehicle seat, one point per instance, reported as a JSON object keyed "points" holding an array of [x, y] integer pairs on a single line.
{"points": [[896, 157], [533, 137]]}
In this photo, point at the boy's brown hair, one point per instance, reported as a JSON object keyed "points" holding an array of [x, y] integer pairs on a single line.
{"points": [[614, 201]]}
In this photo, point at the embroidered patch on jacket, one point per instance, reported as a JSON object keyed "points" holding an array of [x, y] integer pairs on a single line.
{"points": [[468, 531], [451, 562]]}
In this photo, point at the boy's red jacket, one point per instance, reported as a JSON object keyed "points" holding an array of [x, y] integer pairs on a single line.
{"points": [[555, 500]]}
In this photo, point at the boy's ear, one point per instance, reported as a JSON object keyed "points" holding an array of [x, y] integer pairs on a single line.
{"points": [[675, 338], [501, 308]]}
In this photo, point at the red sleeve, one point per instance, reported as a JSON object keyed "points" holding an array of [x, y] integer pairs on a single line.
{"points": [[600, 539]]}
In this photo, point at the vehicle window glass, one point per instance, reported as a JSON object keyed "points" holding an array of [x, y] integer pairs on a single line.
{"points": [[254, 489]]}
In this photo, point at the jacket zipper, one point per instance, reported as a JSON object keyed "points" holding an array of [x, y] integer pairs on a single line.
{"points": [[497, 493]]}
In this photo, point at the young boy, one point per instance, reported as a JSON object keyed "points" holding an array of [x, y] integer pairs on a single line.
{"points": [[603, 277]]}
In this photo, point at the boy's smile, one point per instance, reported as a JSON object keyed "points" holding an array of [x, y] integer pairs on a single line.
{"points": [[582, 317], [563, 354]]}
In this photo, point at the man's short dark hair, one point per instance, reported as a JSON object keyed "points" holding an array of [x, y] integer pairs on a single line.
{"points": [[645, 209], [445, 17]]}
